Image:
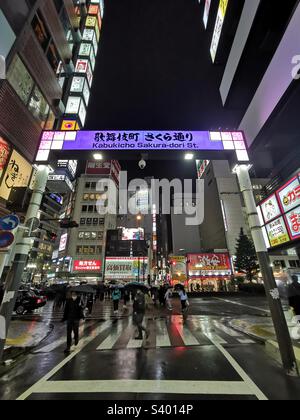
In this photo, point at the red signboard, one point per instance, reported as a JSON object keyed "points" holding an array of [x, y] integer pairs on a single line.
{"points": [[87, 265], [206, 264]]}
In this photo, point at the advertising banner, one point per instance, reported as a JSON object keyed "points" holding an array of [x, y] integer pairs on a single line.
{"points": [[87, 266], [209, 264], [17, 174], [277, 232], [270, 209], [289, 195], [178, 269], [293, 222], [126, 268], [4, 155]]}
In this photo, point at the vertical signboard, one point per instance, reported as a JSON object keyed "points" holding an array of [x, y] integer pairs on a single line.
{"points": [[218, 28]]}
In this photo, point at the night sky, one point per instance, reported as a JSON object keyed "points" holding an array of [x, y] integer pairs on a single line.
{"points": [[154, 71]]}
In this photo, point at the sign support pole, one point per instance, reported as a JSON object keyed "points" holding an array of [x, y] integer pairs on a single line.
{"points": [[281, 328], [22, 249]]}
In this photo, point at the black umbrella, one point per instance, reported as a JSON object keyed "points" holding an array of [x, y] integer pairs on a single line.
{"points": [[83, 289], [137, 286], [179, 287]]}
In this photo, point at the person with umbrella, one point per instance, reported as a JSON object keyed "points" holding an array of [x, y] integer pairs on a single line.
{"points": [[139, 309], [73, 314]]}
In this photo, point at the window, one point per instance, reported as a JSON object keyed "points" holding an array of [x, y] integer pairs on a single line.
{"points": [[20, 79], [293, 264], [53, 57], [82, 221], [86, 197], [95, 221], [98, 249], [80, 235], [87, 185], [50, 121], [101, 222], [38, 106], [91, 209], [41, 31], [84, 209], [89, 221], [93, 185]]}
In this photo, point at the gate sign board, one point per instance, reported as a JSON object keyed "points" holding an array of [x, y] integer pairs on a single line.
{"points": [[97, 141]]}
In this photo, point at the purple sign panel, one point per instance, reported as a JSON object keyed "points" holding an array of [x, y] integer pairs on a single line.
{"points": [[142, 141]]}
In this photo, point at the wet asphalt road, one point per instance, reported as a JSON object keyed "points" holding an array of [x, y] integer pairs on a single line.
{"points": [[198, 358]]}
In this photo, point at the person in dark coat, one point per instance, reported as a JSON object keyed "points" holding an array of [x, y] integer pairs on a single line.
{"points": [[73, 314], [294, 296], [139, 309]]}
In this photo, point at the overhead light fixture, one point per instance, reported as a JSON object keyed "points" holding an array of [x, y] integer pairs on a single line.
{"points": [[189, 156], [98, 156]]}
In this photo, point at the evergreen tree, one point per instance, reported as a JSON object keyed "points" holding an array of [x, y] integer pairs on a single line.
{"points": [[246, 258]]}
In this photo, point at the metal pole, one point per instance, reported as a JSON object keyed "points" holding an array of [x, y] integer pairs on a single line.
{"points": [[22, 248], [138, 269], [280, 324]]}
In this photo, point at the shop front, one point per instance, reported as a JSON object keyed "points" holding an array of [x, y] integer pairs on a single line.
{"points": [[211, 272]]}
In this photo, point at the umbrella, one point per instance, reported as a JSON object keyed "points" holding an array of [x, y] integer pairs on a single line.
{"points": [[179, 287], [137, 286], [116, 286], [83, 289]]}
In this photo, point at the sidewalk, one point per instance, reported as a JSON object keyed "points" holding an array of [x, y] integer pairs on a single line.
{"points": [[262, 329]]}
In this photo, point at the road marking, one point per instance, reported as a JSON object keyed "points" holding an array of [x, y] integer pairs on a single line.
{"points": [[243, 304], [214, 338], [162, 338], [83, 343], [135, 344], [187, 337], [245, 341], [145, 387], [226, 330], [111, 340], [248, 381]]}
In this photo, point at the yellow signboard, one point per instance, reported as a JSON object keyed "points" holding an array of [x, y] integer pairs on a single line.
{"points": [[17, 174], [178, 268]]}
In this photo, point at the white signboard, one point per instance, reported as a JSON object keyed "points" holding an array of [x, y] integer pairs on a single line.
{"points": [[218, 28], [289, 195], [270, 208]]}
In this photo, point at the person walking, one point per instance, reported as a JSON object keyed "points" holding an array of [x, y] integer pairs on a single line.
{"points": [[139, 309], [294, 296], [73, 314], [116, 296], [126, 298], [168, 297], [184, 300]]}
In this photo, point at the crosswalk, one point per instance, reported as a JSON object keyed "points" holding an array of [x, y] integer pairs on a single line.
{"points": [[169, 332]]}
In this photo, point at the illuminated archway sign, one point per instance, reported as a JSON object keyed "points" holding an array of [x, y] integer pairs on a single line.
{"points": [[220, 145]]}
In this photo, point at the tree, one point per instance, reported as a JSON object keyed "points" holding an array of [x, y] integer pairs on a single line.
{"points": [[246, 258]]}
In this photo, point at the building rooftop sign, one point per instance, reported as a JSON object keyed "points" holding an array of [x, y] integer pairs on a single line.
{"points": [[66, 141]]}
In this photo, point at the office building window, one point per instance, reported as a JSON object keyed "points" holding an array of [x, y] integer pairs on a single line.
{"points": [[53, 57], [38, 106], [41, 32], [20, 79], [95, 222], [87, 185], [101, 221], [84, 209], [82, 221], [89, 221], [91, 209], [93, 185]]}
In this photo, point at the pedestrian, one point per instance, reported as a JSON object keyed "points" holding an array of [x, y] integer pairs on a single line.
{"points": [[116, 296], [73, 314], [294, 296], [139, 309], [126, 298], [184, 300], [90, 303], [168, 297]]}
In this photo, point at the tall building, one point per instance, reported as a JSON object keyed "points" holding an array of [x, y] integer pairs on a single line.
{"points": [[255, 45], [86, 245]]}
